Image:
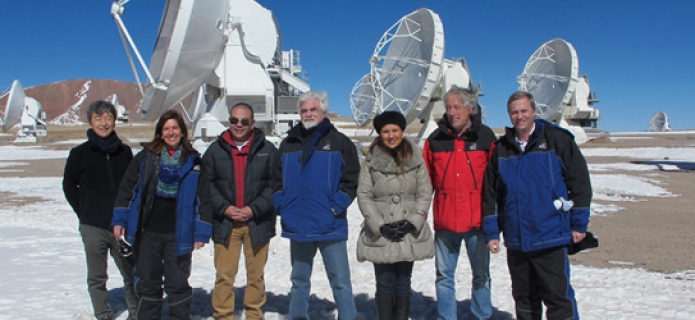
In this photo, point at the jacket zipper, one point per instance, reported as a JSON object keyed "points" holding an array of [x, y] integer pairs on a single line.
{"points": [[108, 166]]}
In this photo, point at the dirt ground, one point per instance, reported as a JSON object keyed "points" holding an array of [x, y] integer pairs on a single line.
{"points": [[653, 233]]}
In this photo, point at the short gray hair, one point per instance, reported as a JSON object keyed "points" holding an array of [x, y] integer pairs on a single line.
{"points": [[321, 96], [469, 96], [99, 107]]}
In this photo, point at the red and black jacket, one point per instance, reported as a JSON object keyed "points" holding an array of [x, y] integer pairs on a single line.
{"points": [[456, 166]]}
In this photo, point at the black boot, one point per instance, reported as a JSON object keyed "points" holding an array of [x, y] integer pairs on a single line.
{"points": [[402, 306], [385, 307]]}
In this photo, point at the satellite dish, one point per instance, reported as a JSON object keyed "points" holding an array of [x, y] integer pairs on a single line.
{"points": [[183, 59], [551, 75], [259, 31], [409, 74], [121, 112], [363, 100], [405, 68], [24, 110], [220, 52], [659, 122], [15, 106]]}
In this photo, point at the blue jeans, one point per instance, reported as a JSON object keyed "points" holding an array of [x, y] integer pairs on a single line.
{"points": [[447, 247], [335, 259]]}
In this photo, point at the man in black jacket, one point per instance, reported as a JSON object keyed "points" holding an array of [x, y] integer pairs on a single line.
{"points": [[93, 172], [239, 175]]}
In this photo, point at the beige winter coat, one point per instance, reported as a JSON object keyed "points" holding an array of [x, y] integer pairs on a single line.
{"points": [[384, 196]]}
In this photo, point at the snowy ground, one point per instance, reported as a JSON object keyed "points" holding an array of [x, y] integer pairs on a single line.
{"points": [[43, 273]]}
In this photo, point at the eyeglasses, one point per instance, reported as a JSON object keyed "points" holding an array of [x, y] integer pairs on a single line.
{"points": [[245, 121], [124, 248]]}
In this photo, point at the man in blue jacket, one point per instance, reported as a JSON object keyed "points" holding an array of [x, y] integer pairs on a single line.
{"points": [[320, 170], [537, 191]]}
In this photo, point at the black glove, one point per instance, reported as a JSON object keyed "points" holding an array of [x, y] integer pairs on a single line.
{"points": [[404, 227], [390, 231]]}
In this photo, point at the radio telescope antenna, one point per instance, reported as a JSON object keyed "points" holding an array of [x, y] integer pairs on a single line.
{"points": [[24, 110], [121, 112], [14, 107], [408, 73], [562, 97], [659, 122], [182, 59], [405, 68], [238, 58]]}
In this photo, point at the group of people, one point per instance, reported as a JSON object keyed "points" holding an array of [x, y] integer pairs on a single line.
{"points": [[152, 210]]}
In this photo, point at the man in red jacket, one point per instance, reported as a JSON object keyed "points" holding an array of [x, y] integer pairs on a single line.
{"points": [[456, 155]]}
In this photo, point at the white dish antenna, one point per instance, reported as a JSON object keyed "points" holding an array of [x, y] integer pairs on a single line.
{"points": [[224, 52], [659, 122], [188, 48], [15, 106], [562, 97], [121, 112], [409, 74], [258, 30], [405, 69], [25, 111]]}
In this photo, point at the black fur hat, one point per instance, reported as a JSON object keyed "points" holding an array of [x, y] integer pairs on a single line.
{"points": [[389, 117]]}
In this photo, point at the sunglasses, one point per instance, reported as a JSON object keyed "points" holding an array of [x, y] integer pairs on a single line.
{"points": [[124, 248], [245, 121]]}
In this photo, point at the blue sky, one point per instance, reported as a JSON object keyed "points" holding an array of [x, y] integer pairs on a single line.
{"points": [[639, 56]]}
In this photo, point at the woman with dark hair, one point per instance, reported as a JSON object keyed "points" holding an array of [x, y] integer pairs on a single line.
{"points": [[394, 195], [157, 211]]}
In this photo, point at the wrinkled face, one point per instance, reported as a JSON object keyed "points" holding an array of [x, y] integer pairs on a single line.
{"points": [[311, 113], [458, 113], [241, 130], [391, 135], [103, 124], [171, 134], [522, 114]]}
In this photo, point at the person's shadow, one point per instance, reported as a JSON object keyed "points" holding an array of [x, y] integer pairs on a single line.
{"points": [[422, 307]]}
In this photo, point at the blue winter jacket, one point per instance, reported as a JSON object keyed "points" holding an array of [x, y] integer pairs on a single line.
{"points": [[319, 182], [520, 188], [136, 197]]}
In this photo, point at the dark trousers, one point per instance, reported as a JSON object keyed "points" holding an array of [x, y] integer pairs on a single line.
{"points": [[156, 257], [393, 278], [98, 244], [542, 276]]}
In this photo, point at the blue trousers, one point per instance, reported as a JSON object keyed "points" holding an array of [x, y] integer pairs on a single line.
{"points": [[335, 259]]}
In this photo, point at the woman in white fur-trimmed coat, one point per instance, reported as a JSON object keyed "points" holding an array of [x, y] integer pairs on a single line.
{"points": [[394, 195]]}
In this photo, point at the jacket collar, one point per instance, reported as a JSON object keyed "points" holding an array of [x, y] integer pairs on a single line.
{"points": [[257, 139], [537, 137], [296, 131]]}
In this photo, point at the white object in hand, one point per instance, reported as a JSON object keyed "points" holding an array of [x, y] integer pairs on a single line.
{"points": [[566, 205]]}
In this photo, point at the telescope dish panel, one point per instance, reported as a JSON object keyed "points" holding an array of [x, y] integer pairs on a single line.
{"points": [[659, 122], [15, 106], [550, 76], [406, 66], [261, 30], [363, 100], [189, 47], [197, 107]]}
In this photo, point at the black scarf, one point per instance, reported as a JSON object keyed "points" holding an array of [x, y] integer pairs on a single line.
{"points": [[312, 136], [108, 145]]}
